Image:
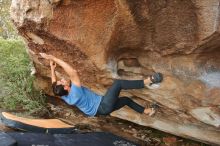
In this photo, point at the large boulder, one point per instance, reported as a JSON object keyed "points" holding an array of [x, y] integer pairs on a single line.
{"points": [[126, 39]]}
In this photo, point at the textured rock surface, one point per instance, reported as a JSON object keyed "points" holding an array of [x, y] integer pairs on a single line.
{"points": [[126, 39]]}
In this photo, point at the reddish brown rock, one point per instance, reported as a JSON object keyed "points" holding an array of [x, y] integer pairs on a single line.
{"points": [[108, 39]]}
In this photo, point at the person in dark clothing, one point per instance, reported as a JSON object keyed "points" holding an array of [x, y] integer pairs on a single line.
{"points": [[92, 104]]}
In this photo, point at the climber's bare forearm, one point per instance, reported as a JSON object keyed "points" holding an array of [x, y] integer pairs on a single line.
{"points": [[53, 75], [68, 69]]}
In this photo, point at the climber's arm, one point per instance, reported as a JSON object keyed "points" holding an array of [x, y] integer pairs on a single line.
{"points": [[67, 68], [53, 74]]}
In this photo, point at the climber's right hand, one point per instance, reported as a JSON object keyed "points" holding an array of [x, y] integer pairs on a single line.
{"points": [[53, 64]]}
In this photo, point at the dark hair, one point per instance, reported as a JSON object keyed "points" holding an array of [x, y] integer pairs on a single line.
{"points": [[157, 77], [59, 89]]}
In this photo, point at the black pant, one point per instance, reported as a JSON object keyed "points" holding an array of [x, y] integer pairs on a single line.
{"points": [[110, 102]]}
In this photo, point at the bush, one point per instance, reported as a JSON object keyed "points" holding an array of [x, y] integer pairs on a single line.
{"points": [[7, 29], [16, 83]]}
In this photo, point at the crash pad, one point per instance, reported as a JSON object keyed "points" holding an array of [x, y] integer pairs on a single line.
{"points": [[76, 139], [6, 140], [36, 125]]}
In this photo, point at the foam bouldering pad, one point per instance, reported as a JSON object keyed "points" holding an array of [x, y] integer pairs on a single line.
{"points": [[36, 125], [76, 139], [6, 140]]}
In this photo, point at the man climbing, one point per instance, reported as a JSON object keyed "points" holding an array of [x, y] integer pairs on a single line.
{"points": [[73, 93]]}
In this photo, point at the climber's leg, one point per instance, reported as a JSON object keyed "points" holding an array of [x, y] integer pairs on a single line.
{"points": [[109, 100]]}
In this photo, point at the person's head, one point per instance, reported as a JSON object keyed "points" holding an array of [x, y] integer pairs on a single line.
{"points": [[61, 87], [156, 78]]}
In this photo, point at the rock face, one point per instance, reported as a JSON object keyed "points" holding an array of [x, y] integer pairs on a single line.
{"points": [[127, 39]]}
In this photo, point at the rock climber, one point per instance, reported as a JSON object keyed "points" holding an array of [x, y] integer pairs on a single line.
{"points": [[92, 104]]}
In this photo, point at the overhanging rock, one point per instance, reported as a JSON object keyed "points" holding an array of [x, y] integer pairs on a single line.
{"points": [[107, 39]]}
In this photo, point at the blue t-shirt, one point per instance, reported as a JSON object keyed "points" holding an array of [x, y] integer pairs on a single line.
{"points": [[86, 100]]}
